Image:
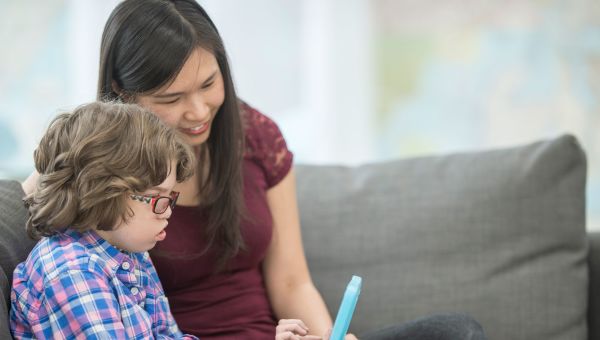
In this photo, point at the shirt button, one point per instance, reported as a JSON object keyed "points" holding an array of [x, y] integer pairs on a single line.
{"points": [[134, 291], [126, 265]]}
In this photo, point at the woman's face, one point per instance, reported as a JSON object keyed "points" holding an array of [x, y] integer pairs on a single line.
{"points": [[192, 100]]}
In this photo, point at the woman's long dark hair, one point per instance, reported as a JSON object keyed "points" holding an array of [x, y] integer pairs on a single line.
{"points": [[144, 46]]}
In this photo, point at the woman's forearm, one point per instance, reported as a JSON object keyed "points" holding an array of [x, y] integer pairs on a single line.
{"points": [[304, 302], [29, 184]]}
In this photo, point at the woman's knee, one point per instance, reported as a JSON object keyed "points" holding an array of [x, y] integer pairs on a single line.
{"points": [[443, 326]]}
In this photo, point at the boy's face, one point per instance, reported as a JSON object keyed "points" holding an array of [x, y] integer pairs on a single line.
{"points": [[142, 230]]}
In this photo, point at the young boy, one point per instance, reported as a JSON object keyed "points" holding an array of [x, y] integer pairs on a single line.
{"points": [[102, 200]]}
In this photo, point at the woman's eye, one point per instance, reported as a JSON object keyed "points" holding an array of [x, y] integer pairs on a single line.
{"points": [[163, 101], [170, 101], [205, 86]]}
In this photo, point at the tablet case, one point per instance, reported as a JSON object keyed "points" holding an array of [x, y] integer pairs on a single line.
{"points": [[344, 315]]}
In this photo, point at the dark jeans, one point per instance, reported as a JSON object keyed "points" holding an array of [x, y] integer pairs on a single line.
{"points": [[435, 327]]}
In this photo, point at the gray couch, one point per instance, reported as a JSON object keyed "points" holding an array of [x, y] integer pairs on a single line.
{"points": [[497, 234]]}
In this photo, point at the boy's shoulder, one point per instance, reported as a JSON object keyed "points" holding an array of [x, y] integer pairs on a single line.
{"points": [[59, 253]]}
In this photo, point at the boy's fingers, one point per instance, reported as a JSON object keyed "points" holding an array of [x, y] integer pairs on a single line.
{"points": [[293, 321], [290, 327], [287, 336], [312, 337]]}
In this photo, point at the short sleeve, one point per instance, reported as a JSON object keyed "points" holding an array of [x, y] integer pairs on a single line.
{"points": [[265, 145]]}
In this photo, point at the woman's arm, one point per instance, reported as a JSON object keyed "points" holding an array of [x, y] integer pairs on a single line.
{"points": [[289, 285], [29, 184]]}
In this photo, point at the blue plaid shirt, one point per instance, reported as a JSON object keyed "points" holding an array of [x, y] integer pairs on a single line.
{"points": [[77, 286]]}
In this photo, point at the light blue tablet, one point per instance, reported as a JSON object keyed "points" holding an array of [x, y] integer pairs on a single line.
{"points": [[344, 315]]}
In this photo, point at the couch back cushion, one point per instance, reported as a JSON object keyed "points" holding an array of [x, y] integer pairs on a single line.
{"points": [[498, 234], [15, 245]]}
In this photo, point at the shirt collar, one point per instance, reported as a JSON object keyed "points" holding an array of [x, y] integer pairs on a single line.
{"points": [[94, 243]]}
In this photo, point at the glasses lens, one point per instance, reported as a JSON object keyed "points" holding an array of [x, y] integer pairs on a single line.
{"points": [[162, 203]]}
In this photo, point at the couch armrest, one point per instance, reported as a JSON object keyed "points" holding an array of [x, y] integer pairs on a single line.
{"points": [[14, 243], [594, 285]]}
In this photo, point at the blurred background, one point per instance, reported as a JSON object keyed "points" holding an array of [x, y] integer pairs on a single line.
{"points": [[350, 82]]}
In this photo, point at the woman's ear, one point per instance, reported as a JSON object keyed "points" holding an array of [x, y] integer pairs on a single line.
{"points": [[115, 88], [121, 96]]}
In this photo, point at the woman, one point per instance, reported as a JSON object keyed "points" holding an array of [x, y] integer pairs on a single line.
{"points": [[233, 261]]}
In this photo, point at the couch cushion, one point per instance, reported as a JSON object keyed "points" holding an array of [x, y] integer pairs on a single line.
{"points": [[497, 234], [14, 243], [594, 287]]}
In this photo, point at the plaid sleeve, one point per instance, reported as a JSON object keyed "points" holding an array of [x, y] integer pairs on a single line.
{"points": [[80, 304], [18, 322], [164, 325]]}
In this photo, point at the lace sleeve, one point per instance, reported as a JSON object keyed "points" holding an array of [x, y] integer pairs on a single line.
{"points": [[265, 145]]}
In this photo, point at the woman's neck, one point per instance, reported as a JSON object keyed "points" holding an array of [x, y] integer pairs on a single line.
{"points": [[190, 190]]}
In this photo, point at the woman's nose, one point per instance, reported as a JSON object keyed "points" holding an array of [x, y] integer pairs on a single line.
{"points": [[198, 109]]}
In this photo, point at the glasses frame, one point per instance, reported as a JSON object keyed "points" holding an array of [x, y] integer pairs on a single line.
{"points": [[153, 200]]}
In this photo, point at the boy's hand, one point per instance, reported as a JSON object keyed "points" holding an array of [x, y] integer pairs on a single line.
{"points": [[293, 329]]}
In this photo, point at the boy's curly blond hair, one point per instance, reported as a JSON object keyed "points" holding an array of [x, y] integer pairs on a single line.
{"points": [[91, 159]]}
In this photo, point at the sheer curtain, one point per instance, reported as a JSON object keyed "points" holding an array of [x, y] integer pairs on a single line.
{"points": [[49, 63], [347, 81], [307, 64]]}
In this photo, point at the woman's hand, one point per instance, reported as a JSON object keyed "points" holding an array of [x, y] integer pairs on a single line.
{"points": [[293, 329]]}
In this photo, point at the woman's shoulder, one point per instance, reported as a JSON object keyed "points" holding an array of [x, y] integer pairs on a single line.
{"points": [[257, 124], [261, 132], [265, 144]]}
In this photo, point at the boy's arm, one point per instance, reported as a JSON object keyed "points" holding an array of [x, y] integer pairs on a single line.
{"points": [[85, 304], [163, 322], [166, 327], [19, 326], [80, 304]]}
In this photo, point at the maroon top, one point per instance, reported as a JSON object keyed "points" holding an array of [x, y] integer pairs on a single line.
{"points": [[234, 304]]}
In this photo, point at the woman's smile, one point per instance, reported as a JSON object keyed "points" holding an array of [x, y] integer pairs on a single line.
{"points": [[196, 130]]}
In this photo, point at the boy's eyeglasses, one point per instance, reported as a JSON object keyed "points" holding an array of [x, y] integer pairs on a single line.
{"points": [[159, 203]]}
